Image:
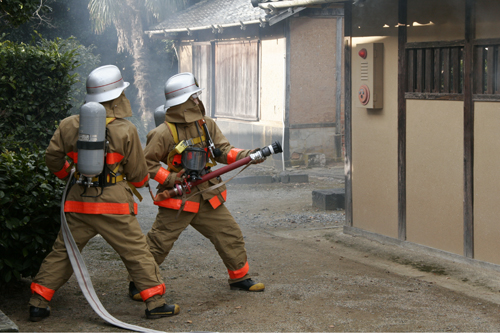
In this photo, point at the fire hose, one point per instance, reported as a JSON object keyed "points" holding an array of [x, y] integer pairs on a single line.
{"points": [[76, 259], [82, 274], [185, 187]]}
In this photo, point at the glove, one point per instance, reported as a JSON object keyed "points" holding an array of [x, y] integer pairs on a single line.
{"points": [[258, 160], [175, 178]]}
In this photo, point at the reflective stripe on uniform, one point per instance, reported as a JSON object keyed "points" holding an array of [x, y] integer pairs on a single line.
{"points": [[74, 156], [98, 208], [162, 175], [215, 202], [141, 183], [157, 290], [239, 273], [112, 158], [42, 291], [231, 156], [189, 206], [63, 173]]}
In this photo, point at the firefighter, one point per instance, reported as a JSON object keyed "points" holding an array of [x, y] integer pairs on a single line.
{"points": [[205, 212], [107, 208]]}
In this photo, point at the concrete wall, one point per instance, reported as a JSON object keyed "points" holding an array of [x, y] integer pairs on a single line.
{"points": [[434, 174], [249, 135], [487, 182], [375, 151], [272, 80], [312, 87]]}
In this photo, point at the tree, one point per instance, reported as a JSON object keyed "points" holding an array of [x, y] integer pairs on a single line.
{"points": [[129, 17], [17, 12]]}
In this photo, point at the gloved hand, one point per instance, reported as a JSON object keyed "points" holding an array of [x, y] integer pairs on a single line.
{"points": [[258, 160], [175, 178]]}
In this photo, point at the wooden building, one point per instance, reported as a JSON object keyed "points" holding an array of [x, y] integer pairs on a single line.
{"points": [[423, 166], [268, 74]]}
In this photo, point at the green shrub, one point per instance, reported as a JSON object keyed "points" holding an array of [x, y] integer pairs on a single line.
{"points": [[29, 211], [35, 86]]}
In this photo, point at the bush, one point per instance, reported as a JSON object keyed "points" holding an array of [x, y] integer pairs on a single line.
{"points": [[35, 86], [29, 211], [36, 83]]}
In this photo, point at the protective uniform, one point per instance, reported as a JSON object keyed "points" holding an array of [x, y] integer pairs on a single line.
{"points": [[205, 211], [109, 211]]}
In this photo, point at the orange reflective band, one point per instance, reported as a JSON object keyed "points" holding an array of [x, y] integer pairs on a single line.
{"points": [[189, 206], [112, 158], [224, 195], [74, 156], [231, 156], [239, 273], [63, 173], [162, 175], [42, 291], [148, 293], [215, 202], [98, 208], [141, 183]]}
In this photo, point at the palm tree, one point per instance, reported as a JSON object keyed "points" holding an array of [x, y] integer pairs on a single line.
{"points": [[129, 18]]}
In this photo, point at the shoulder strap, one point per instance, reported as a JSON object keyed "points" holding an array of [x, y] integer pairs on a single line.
{"points": [[120, 177], [173, 131]]}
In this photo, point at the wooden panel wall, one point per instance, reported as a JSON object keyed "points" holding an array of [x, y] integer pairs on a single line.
{"points": [[236, 80], [202, 70]]}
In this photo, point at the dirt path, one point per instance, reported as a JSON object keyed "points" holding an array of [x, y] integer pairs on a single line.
{"points": [[317, 278]]}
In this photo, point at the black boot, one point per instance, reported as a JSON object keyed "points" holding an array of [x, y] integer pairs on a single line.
{"points": [[37, 314], [133, 292], [247, 285], [163, 311]]}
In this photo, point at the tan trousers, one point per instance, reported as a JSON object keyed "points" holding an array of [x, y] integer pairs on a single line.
{"points": [[122, 232], [218, 225]]}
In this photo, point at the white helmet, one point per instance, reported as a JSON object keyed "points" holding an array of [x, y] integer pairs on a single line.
{"points": [[105, 83], [179, 88]]}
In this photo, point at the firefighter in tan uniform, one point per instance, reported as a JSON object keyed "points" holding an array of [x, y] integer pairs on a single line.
{"points": [[108, 209], [204, 210]]}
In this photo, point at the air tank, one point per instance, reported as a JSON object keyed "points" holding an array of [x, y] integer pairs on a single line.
{"points": [[91, 139], [159, 115]]}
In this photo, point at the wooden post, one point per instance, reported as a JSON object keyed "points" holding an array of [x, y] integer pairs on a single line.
{"points": [[402, 84], [469, 130], [338, 87], [347, 111], [286, 116]]}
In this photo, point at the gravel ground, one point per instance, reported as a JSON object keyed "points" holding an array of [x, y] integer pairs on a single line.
{"points": [[317, 278]]}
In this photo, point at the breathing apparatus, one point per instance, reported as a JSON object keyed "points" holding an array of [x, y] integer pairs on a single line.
{"points": [[91, 144]]}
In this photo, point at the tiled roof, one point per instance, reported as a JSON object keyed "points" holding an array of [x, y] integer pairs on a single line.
{"points": [[212, 12]]}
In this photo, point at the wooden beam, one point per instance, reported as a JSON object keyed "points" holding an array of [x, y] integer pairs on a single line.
{"points": [[432, 45], [348, 111], [455, 67], [469, 129], [490, 71], [402, 81], [446, 70], [428, 79], [435, 96], [411, 70], [437, 71]]}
